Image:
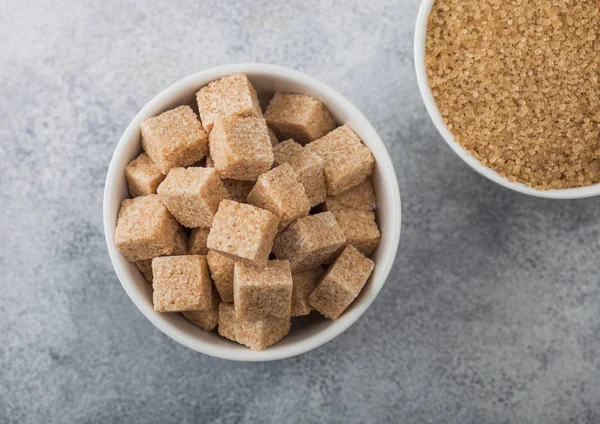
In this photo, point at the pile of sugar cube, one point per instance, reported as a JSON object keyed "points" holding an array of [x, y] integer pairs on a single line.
{"points": [[233, 228]]}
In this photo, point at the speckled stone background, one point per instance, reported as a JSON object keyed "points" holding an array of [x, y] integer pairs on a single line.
{"points": [[491, 314]]}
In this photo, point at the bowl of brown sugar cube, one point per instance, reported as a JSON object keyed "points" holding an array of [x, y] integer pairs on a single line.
{"points": [[513, 87], [251, 212]]}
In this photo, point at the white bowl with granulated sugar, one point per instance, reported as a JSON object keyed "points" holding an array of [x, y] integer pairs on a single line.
{"points": [[313, 331], [464, 154]]}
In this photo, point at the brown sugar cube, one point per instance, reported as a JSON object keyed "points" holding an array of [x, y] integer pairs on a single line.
{"points": [[181, 283], [361, 197], [206, 320], [262, 292], [221, 271], [347, 161], [197, 241], [280, 192], [307, 165], [298, 116], [243, 232], [309, 241], [343, 281], [174, 138], [145, 229], [192, 195], [257, 335], [241, 148], [304, 284], [273, 137], [238, 190], [143, 176], [209, 163], [360, 229], [181, 248], [228, 96]]}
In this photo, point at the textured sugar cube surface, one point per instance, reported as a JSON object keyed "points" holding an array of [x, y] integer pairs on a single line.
{"points": [[360, 229], [298, 116], [145, 229], [221, 270], [361, 196], [307, 165], [197, 241], [174, 138], [304, 283], [342, 283], [280, 191], [192, 195], [143, 176], [206, 320], [180, 248], [262, 292], [243, 232], [347, 162], [181, 283], [309, 241], [233, 95], [257, 335], [238, 190], [240, 148]]}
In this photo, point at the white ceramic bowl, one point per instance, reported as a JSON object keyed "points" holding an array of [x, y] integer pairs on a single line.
{"points": [[309, 332], [419, 47]]}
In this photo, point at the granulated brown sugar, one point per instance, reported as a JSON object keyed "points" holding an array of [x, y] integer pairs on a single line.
{"points": [[517, 84]]}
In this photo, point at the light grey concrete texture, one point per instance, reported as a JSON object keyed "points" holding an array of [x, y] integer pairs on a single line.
{"points": [[491, 313]]}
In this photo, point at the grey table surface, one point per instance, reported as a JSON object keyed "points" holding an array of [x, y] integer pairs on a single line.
{"points": [[491, 313]]}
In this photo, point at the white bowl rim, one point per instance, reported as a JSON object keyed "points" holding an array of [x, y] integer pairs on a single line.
{"points": [[340, 325], [436, 117]]}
